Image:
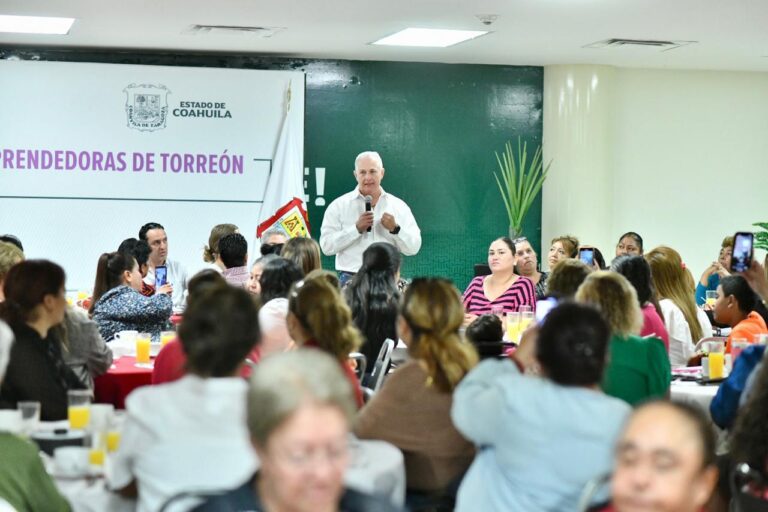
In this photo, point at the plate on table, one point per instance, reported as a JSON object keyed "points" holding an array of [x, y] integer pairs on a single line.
{"points": [[705, 381]]}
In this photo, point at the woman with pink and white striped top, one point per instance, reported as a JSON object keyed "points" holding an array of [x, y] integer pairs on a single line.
{"points": [[502, 288]]}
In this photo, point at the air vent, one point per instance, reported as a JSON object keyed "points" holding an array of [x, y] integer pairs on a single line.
{"points": [[639, 43], [231, 30]]}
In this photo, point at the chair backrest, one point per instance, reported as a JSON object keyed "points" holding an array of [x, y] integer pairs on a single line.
{"points": [[482, 269], [381, 365], [594, 490], [702, 341], [361, 364], [748, 489]]}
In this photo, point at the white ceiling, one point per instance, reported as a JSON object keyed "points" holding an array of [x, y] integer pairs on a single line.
{"points": [[731, 34]]}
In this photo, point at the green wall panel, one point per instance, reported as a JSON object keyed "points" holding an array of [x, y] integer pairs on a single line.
{"points": [[436, 126]]}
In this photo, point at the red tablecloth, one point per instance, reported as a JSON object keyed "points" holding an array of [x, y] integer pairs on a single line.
{"points": [[115, 385]]}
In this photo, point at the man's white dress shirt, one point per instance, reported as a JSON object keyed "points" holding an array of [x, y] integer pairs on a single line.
{"points": [[339, 235]]}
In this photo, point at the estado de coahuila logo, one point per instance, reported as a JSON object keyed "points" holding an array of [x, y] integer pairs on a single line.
{"points": [[146, 106]]}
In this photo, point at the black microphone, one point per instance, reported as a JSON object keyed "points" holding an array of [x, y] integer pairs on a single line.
{"points": [[368, 200]]}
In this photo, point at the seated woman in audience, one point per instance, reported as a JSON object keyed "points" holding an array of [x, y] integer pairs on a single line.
{"points": [[717, 270], [140, 250], [638, 273], [254, 281], [170, 363], [735, 307], [665, 460], [211, 254], [118, 305], [422, 389], [190, 435], [638, 368], [566, 278], [503, 289], [630, 244], [303, 251], [562, 248], [9, 256], [373, 297], [749, 442], [319, 318], [276, 280], [540, 440], [686, 324], [24, 483], [299, 412], [486, 334], [35, 302], [527, 265], [84, 349]]}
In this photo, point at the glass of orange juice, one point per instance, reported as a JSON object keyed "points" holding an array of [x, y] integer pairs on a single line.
{"points": [[113, 440], [79, 410], [166, 337], [143, 341], [513, 327]]}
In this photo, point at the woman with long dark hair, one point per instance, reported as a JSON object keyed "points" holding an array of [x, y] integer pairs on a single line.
{"points": [[35, 302], [118, 305], [373, 297]]}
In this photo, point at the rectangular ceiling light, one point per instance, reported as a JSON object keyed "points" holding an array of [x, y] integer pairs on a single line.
{"points": [[35, 24], [436, 38]]}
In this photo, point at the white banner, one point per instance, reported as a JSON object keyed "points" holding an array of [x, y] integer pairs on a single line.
{"points": [[90, 152]]}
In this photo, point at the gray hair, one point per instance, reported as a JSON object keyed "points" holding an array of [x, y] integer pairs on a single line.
{"points": [[282, 383], [274, 231], [264, 260], [369, 154], [6, 340]]}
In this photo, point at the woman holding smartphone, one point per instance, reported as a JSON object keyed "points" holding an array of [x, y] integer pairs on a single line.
{"points": [[118, 305]]}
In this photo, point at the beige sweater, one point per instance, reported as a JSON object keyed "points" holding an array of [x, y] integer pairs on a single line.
{"points": [[417, 419]]}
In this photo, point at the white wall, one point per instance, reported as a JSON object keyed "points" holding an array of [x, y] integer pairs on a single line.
{"points": [[687, 157]]}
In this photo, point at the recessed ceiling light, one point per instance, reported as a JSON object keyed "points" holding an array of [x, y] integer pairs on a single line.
{"points": [[438, 38], [35, 24]]}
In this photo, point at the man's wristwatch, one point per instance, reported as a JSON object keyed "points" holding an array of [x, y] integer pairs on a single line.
{"points": [[396, 230]]}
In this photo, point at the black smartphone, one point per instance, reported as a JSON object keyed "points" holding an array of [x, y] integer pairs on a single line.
{"points": [[741, 257], [587, 256], [161, 276]]}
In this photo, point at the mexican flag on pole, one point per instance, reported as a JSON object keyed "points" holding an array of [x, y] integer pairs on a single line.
{"points": [[283, 207]]}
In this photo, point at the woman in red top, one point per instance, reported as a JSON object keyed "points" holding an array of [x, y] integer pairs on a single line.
{"points": [[318, 317]]}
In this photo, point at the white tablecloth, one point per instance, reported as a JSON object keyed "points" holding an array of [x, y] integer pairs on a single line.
{"points": [[700, 396], [693, 393], [376, 467]]}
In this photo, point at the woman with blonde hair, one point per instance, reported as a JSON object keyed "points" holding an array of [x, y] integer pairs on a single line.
{"points": [[319, 318], [638, 368], [562, 248], [685, 323], [421, 390], [303, 251], [211, 251]]}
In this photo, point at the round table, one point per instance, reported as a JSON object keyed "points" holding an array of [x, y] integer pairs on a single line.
{"points": [[123, 377], [693, 393]]}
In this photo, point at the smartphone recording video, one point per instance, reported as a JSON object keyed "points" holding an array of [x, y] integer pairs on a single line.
{"points": [[741, 258]]}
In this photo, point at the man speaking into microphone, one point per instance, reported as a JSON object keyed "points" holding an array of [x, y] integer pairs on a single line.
{"points": [[366, 215]]}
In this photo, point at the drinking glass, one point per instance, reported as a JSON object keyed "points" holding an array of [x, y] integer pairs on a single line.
{"points": [[79, 410], [513, 326], [716, 360], [30, 416], [166, 337], [737, 346], [143, 343], [711, 297]]}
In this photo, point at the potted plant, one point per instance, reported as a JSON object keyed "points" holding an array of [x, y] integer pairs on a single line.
{"points": [[520, 182], [761, 237]]}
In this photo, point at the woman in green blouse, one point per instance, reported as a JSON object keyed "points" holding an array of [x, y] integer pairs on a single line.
{"points": [[638, 368]]}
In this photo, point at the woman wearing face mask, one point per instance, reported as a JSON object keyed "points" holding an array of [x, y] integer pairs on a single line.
{"points": [[527, 266], [118, 305]]}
